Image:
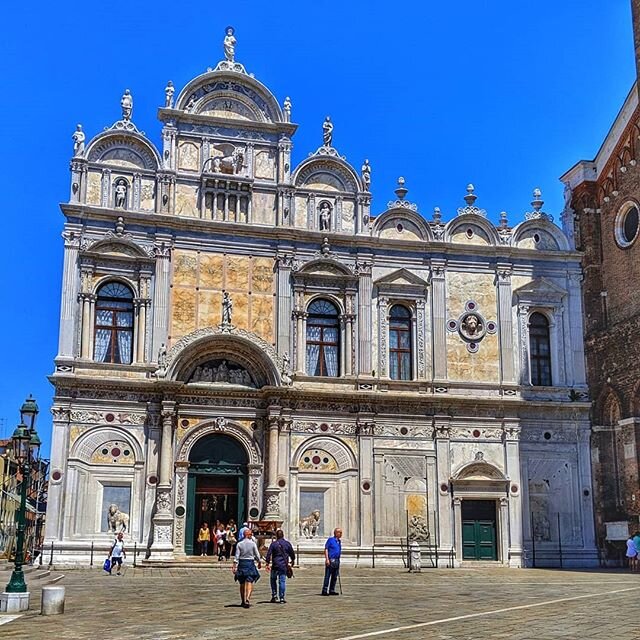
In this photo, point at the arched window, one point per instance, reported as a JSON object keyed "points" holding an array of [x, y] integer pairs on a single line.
{"points": [[113, 336], [540, 350], [400, 343], [323, 339]]}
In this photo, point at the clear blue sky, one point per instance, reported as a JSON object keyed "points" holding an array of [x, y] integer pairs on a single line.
{"points": [[507, 95]]}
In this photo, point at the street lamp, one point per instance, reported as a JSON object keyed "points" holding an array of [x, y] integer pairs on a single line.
{"points": [[25, 445]]}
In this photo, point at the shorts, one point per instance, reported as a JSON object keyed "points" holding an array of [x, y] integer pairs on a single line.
{"points": [[117, 561]]}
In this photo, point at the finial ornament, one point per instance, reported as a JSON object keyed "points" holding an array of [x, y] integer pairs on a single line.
{"points": [[470, 199], [126, 103], [537, 203], [169, 90], [286, 107], [327, 132], [401, 193], [78, 140], [229, 44], [366, 175]]}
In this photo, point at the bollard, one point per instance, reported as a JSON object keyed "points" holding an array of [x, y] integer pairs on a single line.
{"points": [[52, 601], [415, 562]]}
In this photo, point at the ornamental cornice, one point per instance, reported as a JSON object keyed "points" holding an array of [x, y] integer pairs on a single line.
{"points": [[476, 433]]}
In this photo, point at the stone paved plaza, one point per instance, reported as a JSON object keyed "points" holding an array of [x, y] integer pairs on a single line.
{"points": [[464, 604]]}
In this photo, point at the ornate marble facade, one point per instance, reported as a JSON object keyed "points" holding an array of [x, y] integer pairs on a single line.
{"points": [[374, 368]]}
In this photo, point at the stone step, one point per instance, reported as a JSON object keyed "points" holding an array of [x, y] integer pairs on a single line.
{"points": [[56, 579]]}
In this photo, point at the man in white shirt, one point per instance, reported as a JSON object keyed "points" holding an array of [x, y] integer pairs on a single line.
{"points": [[117, 554]]}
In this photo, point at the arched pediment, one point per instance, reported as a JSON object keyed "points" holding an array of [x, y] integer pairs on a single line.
{"points": [[229, 95], [118, 246], [549, 236], [336, 451], [402, 224], [326, 173], [325, 267], [92, 440], [479, 470], [125, 150], [241, 349], [470, 228]]}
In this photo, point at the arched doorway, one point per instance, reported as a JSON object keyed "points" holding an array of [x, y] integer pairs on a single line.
{"points": [[216, 486]]}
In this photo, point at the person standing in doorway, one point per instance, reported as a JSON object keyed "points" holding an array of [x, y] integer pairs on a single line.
{"points": [[204, 537], [281, 557], [332, 553], [244, 566], [117, 554]]}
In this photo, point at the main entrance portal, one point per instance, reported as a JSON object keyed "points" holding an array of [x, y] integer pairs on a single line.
{"points": [[216, 488], [479, 530]]}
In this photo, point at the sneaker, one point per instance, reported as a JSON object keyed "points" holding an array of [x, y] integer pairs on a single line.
{"points": [[324, 593], [283, 601], [333, 593], [274, 599]]}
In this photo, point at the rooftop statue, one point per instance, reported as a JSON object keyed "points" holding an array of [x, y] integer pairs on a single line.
{"points": [[229, 44], [327, 132], [78, 140], [127, 105], [169, 90], [366, 175], [287, 108]]}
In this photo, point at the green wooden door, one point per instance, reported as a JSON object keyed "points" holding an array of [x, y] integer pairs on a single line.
{"points": [[242, 503], [191, 515], [479, 530]]}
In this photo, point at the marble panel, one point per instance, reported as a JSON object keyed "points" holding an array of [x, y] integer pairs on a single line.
{"points": [[241, 311], [262, 320], [348, 211], [94, 188], [183, 311], [188, 154], [263, 211], [324, 182], [265, 164], [209, 308], [147, 195], [484, 365], [262, 275], [185, 267], [211, 270], [123, 158], [186, 200], [237, 273], [300, 212]]}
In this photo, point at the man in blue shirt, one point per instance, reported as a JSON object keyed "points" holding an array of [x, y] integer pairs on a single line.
{"points": [[332, 551], [243, 530]]}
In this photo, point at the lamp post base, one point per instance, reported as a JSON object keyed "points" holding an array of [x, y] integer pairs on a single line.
{"points": [[14, 602]]}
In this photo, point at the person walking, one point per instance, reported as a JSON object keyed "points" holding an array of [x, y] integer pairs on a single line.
{"points": [[244, 566], [632, 553], [221, 536], [280, 559], [204, 537], [243, 530], [117, 554], [332, 552]]}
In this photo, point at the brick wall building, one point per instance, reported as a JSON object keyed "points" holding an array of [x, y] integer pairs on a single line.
{"points": [[602, 213]]}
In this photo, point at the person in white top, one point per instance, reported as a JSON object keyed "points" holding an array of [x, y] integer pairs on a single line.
{"points": [[632, 554], [117, 554]]}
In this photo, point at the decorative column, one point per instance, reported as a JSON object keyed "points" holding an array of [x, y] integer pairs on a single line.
{"points": [[141, 328], [442, 434], [78, 180], [162, 546], [106, 187], [348, 344], [254, 502], [68, 310], [504, 532], [513, 532], [576, 372], [137, 179], [457, 524], [505, 323], [182, 476], [57, 478], [523, 320], [583, 428], [285, 265], [383, 336], [421, 343], [272, 493], [250, 160], [438, 325], [365, 518], [160, 308], [365, 289], [87, 300], [153, 444]]}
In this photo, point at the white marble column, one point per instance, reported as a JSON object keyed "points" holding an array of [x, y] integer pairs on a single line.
{"points": [[585, 476], [441, 425], [57, 477], [383, 337], [70, 285], [439, 319], [523, 321], [366, 431], [162, 546], [160, 307], [511, 428], [457, 525], [348, 348], [364, 321], [285, 265], [85, 341], [272, 491], [505, 324]]}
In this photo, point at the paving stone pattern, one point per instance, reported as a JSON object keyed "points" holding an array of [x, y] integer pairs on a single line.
{"points": [[194, 604]]}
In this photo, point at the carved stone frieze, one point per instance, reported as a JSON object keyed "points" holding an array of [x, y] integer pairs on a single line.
{"points": [[302, 426], [60, 415], [476, 433]]}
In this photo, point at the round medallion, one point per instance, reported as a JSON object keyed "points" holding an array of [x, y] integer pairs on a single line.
{"points": [[253, 512], [476, 433], [366, 486], [180, 511], [109, 417], [472, 326], [56, 475], [444, 487]]}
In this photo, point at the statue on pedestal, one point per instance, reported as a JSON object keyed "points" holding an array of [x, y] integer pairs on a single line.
{"points": [[169, 90], [227, 308], [366, 175], [287, 109], [127, 105], [229, 44], [78, 140], [327, 132]]}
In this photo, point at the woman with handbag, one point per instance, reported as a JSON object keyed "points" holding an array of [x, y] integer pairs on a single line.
{"points": [[280, 560]]}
